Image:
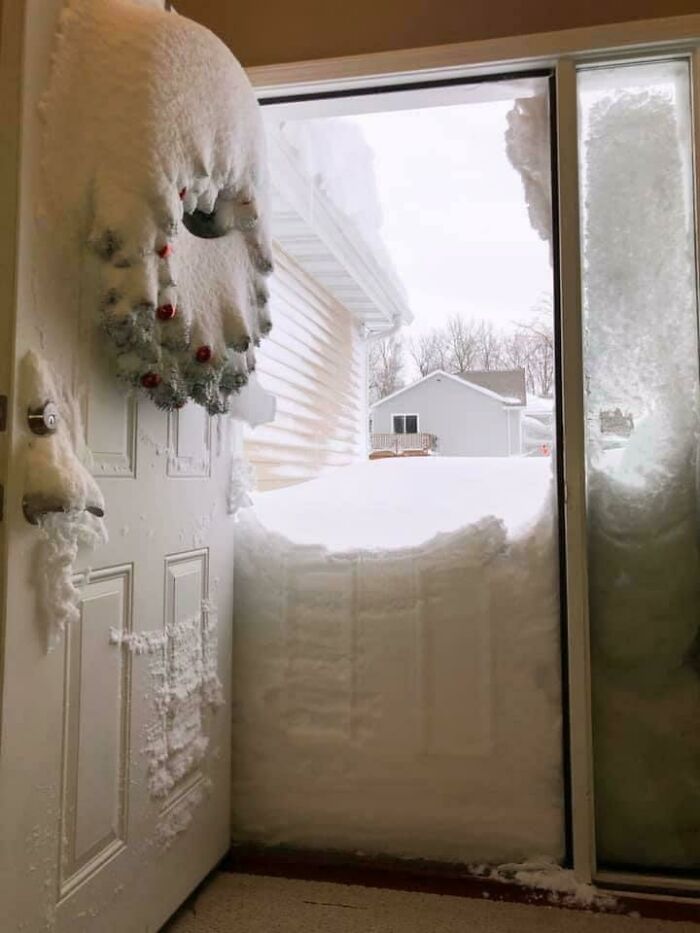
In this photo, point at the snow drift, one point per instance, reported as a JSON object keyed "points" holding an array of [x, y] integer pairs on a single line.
{"points": [[396, 699]]}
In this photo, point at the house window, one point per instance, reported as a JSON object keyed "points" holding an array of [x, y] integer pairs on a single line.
{"points": [[405, 424]]}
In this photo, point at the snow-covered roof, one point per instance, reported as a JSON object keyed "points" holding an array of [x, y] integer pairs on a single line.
{"points": [[509, 383], [327, 244], [511, 402]]}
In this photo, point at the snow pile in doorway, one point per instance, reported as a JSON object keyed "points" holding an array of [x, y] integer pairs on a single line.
{"points": [[402, 502], [401, 695]]}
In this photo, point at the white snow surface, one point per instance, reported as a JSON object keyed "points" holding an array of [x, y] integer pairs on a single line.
{"points": [[537, 404], [397, 681], [403, 502]]}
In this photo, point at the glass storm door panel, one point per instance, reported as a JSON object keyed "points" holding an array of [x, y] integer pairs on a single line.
{"points": [[641, 370]]}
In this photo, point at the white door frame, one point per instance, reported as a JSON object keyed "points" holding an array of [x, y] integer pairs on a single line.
{"points": [[562, 52], [11, 46]]}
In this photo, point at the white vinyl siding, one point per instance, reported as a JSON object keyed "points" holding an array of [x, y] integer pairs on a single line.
{"points": [[314, 362]]}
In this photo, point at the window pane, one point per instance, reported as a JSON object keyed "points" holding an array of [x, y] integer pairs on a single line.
{"points": [[641, 365], [398, 424], [411, 424]]}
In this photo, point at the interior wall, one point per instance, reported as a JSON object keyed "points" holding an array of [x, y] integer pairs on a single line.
{"points": [[277, 31]]}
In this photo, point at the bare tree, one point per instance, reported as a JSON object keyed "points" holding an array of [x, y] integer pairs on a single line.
{"points": [[429, 352], [515, 351], [537, 337], [489, 346], [385, 365], [540, 357], [453, 347], [464, 344], [462, 338]]}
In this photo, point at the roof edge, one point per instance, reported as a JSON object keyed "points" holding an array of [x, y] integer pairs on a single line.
{"points": [[505, 400]]}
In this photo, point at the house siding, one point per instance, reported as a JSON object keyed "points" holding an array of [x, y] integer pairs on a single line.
{"points": [[467, 423], [314, 363]]}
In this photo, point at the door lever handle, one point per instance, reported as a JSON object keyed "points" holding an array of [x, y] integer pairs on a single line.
{"points": [[36, 507]]}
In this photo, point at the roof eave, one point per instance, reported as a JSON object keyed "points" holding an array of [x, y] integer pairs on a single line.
{"points": [[309, 227]]}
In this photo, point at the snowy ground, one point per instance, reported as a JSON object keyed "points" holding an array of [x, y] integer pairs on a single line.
{"points": [[397, 663], [398, 503]]}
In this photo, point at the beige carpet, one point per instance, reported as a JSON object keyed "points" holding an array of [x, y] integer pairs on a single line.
{"points": [[252, 904]]}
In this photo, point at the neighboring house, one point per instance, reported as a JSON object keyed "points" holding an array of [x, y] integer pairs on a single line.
{"points": [[330, 292], [473, 414]]}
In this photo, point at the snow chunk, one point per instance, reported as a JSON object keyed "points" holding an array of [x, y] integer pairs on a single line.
{"points": [[560, 884], [62, 536], [527, 148], [184, 671]]}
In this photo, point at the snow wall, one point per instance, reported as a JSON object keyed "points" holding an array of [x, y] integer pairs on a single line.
{"points": [[400, 702], [644, 561]]}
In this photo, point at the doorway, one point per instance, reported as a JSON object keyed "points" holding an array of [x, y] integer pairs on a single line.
{"points": [[607, 425], [398, 663]]}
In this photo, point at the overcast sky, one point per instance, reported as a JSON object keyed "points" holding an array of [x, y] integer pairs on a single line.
{"points": [[454, 216]]}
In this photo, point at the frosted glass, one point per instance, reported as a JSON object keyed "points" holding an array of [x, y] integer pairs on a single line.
{"points": [[641, 366]]}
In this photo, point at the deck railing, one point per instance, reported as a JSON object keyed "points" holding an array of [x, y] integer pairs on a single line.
{"points": [[403, 443]]}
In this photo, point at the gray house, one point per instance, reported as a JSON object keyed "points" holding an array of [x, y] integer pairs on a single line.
{"points": [[473, 414]]}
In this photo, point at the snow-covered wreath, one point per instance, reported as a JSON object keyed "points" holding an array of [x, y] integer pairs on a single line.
{"points": [[157, 162]]}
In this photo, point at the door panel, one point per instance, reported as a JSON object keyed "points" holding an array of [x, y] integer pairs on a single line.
{"points": [[189, 442], [115, 755], [96, 730], [111, 424]]}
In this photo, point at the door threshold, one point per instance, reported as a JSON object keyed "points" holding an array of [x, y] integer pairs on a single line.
{"points": [[428, 877]]}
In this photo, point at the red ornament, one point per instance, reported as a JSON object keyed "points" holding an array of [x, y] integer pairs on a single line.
{"points": [[203, 354], [166, 312], [165, 251], [183, 193], [150, 380]]}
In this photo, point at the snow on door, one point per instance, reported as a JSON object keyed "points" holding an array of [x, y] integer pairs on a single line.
{"points": [[114, 768]]}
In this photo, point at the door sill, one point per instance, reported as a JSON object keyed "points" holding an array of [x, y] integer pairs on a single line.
{"points": [[427, 877]]}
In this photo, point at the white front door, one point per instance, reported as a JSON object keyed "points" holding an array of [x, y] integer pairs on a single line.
{"points": [[114, 754]]}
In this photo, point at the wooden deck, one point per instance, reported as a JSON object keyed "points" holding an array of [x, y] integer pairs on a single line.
{"points": [[401, 445]]}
